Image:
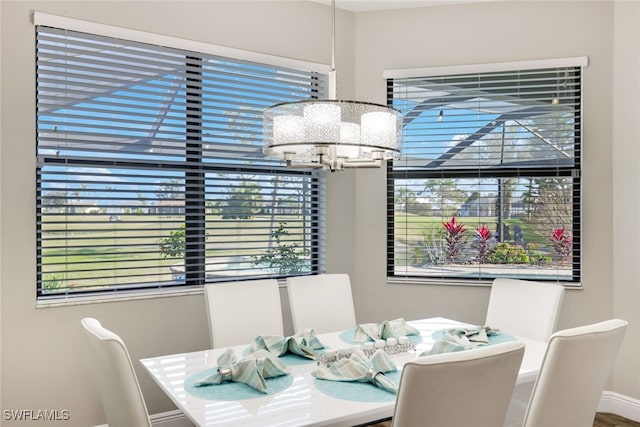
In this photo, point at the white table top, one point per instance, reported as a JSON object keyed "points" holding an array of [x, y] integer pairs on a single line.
{"points": [[301, 403]]}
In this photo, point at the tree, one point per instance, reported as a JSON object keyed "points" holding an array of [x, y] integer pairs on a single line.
{"points": [[244, 201], [475, 195], [403, 198], [446, 194], [553, 206], [529, 198], [506, 187], [55, 200], [286, 257], [171, 190]]}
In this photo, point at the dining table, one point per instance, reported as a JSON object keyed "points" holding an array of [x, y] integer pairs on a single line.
{"points": [[299, 398]]}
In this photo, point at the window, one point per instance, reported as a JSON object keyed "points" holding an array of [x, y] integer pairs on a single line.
{"points": [[150, 171], [488, 184]]}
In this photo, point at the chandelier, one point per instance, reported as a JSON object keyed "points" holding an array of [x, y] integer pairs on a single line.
{"points": [[332, 134]]}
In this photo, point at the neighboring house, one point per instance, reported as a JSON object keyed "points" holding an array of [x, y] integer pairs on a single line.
{"points": [[482, 206], [486, 206]]}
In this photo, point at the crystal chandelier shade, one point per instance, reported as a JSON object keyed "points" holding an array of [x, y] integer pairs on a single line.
{"points": [[332, 134]]}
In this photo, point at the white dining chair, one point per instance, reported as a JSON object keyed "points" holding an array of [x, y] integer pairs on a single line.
{"points": [[524, 308], [240, 311], [573, 374], [120, 392], [465, 388], [323, 302]]}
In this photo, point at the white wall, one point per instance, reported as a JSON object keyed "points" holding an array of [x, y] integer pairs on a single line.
{"points": [[44, 361], [626, 191], [43, 357], [504, 32]]}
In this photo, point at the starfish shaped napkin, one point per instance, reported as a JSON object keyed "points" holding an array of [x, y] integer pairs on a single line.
{"points": [[389, 328], [251, 370], [304, 343], [359, 368]]}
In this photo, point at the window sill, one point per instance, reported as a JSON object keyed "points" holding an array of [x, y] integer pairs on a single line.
{"points": [[116, 297], [459, 282]]}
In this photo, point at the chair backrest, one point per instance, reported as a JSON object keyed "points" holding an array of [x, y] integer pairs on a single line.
{"points": [[573, 374], [465, 388], [240, 311], [120, 392], [323, 302], [524, 308]]}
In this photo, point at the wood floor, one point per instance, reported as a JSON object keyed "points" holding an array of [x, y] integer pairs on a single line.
{"points": [[601, 420], [611, 420]]}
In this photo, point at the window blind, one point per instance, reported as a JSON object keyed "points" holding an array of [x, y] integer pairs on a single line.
{"points": [[150, 171], [488, 184]]}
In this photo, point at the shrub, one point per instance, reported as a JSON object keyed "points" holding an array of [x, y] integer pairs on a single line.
{"points": [[454, 238], [174, 245], [504, 253]]}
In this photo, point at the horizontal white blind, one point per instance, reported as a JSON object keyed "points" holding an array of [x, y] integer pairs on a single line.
{"points": [[498, 151], [151, 172]]}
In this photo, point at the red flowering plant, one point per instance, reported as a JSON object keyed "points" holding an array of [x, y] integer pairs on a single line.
{"points": [[562, 242], [483, 234], [454, 238]]}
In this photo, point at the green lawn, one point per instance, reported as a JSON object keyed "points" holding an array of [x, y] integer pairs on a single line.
{"points": [[90, 248], [409, 228]]}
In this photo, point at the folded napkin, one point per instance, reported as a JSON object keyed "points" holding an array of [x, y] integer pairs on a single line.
{"points": [[477, 334], [387, 329], [458, 339], [304, 343], [359, 368], [450, 343], [251, 370]]}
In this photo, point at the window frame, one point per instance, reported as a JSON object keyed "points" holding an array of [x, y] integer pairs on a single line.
{"points": [[573, 172], [194, 210]]}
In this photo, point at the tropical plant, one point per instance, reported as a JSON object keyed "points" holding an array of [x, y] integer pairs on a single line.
{"points": [[432, 244], [482, 237], [285, 257], [562, 242], [174, 245], [454, 238], [417, 255]]}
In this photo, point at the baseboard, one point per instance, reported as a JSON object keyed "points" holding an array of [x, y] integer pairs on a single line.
{"points": [[609, 402], [620, 404], [170, 419]]}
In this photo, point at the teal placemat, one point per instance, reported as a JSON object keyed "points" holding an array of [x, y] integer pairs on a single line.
{"points": [[233, 390], [493, 339], [357, 391], [348, 335]]}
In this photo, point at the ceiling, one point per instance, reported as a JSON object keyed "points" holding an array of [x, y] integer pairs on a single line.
{"points": [[371, 5]]}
